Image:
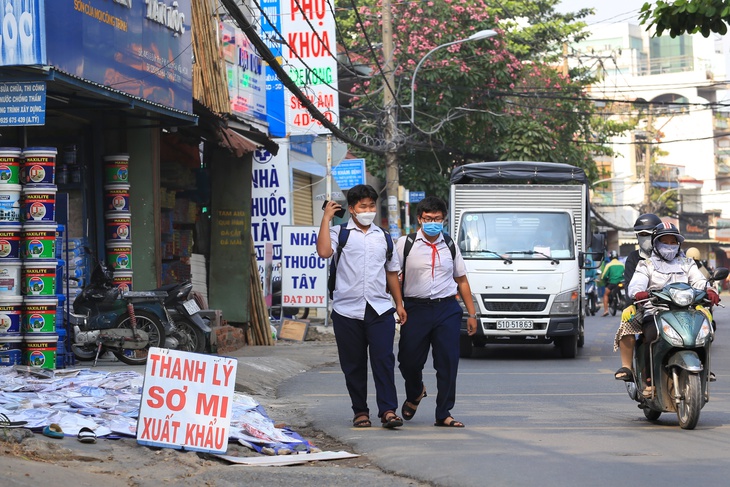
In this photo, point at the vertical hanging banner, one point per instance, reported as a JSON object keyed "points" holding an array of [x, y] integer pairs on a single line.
{"points": [[308, 27], [303, 271], [186, 401], [275, 91], [270, 206]]}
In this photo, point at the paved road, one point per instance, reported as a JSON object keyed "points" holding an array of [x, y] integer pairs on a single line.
{"points": [[534, 418]]}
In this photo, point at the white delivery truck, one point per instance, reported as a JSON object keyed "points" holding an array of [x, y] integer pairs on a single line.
{"points": [[523, 229]]}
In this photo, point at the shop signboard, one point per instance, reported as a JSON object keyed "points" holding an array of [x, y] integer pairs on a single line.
{"points": [[349, 173], [310, 54], [303, 271], [722, 232], [23, 33], [143, 48], [245, 74], [270, 32], [23, 103], [694, 225], [270, 206]]}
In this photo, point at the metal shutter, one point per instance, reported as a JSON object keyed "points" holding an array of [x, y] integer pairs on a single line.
{"points": [[302, 199]]}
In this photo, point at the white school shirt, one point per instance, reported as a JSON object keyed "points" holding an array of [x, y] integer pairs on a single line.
{"points": [[361, 272], [419, 282]]}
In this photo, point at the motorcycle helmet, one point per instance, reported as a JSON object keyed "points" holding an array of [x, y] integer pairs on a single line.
{"points": [[693, 253], [646, 223], [666, 229], [612, 255]]}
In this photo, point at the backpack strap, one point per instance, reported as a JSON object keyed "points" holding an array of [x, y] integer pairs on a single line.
{"points": [[411, 239], [342, 237], [389, 245]]}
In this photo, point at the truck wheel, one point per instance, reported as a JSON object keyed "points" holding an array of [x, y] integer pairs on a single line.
{"points": [[568, 346], [466, 346]]}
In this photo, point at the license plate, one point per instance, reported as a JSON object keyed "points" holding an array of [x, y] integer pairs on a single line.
{"points": [[514, 324], [191, 306]]}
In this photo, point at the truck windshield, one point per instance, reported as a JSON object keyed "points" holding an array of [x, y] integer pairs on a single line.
{"points": [[517, 235]]}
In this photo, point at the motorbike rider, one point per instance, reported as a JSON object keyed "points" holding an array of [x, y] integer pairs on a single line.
{"points": [[613, 274], [626, 333], [665, 265]]}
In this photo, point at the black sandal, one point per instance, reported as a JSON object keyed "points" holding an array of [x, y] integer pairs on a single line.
{"points": [[624, 374], [361, 420], [449, 424], [391, 420], [409, 407]]}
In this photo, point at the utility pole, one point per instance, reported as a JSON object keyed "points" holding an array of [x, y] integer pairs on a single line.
{"points": [[647, 164], [391, 160]]}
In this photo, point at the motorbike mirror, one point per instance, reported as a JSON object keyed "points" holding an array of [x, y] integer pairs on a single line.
{"points": [[720, 274]]}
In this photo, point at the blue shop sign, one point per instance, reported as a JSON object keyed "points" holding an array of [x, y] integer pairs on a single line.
{"points": [[23, 33], [23, 103], [349, 173]]}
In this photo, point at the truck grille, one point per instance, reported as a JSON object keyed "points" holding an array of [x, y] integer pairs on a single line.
{"points": [[513, 304]]}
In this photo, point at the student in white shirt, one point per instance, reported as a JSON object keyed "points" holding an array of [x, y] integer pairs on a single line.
{"points": [[431, 280], [362, 311]]}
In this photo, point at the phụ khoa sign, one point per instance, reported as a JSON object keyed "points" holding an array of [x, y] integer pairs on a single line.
{"points": [[186, 401], [303, 271]]}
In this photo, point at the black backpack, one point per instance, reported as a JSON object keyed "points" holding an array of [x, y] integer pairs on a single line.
{"points": [[341, 241], [410, 240]]}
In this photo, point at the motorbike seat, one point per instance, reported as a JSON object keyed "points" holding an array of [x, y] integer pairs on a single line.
{"points": [[144, 294]]}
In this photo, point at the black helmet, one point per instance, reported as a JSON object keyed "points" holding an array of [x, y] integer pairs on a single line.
{"points": [[612, 255], [646, 222], [665, 229]]}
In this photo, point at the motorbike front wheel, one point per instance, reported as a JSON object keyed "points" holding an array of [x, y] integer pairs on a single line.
{"points": [[192, 337], [150, 324], [690, 403]]}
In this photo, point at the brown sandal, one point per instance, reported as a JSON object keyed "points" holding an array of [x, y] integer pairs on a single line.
{"points": [[361, 420], [409, 407], [391, 420]]}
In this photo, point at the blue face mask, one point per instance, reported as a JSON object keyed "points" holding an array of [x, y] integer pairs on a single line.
{"points": [[432, 228]]}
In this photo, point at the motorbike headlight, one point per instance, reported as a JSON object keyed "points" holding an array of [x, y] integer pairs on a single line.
{"points": [[566, 303], [682, 297], [672, 335], [702, 335]]}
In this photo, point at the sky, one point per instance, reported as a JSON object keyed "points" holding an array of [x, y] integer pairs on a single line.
{"points": [[607, 11]]}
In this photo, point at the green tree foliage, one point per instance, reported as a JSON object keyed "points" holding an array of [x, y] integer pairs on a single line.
{"points": [[687, 16], [504, 98]]}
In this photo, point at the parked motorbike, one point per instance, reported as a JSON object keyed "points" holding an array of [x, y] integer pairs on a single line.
{"points": [[591, 296], [680, 356], [277, 312], [128, 323], [617, 299]]}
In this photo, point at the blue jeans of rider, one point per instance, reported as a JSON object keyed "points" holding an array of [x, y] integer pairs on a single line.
{"points": [[434, 326]]}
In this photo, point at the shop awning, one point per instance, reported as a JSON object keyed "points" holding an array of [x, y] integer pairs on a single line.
{"points": [[234, 141], [254, 136]]}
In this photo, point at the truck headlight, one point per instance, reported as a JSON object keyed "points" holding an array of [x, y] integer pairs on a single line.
{"points": [[474, 299], [566, 303]]}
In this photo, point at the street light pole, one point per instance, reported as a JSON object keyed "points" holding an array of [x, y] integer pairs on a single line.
{"points": [[482, 34]]}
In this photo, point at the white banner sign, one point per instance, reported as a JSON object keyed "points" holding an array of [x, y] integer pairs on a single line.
{"points": [[303, 272], [187, 401]]}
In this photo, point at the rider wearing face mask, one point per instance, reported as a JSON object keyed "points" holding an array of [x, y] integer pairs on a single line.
{"points": [[665, 265]]}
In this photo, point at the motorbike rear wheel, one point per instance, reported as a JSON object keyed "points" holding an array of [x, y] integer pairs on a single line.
{"points": [[150, 324], [193, 338], [690, 403], [651, 414]]}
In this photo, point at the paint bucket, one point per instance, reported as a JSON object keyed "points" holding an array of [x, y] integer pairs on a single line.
{"points": [[11, 312], [38, 203], [39, 315], [119, 256], [38, 241], [10, 284], [116, 197], [9, 242], [10, 203], [11, 350], [39, 165], [116, 168], [118, 226], [10, 161], [38, 278], [122, 280], [40, 350]]}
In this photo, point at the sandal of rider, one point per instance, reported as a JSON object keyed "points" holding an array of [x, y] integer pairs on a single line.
{"points": [[624, 374], [86, 435], [6, 423], [648, 392]]}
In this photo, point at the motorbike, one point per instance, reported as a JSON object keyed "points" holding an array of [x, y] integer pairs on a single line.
{"points": [[591, 296], [277, 312], [128, 323], [617, 299], [680, 356]]}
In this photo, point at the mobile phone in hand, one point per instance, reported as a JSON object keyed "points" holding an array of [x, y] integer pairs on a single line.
{"points": [[339, 213]]}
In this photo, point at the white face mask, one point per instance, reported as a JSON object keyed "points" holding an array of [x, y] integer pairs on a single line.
{"points": [[365, 218], [645, 243]]}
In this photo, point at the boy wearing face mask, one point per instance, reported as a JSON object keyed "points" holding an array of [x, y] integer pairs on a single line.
{"points": [[626, 334], [362, 312], [665, 265], [431, 280]]}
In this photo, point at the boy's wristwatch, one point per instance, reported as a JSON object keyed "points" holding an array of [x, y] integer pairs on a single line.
{"points": [[471, 316]]}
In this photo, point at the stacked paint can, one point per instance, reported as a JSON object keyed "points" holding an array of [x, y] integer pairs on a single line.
{"points": [[40, 265], [11, 338], [118, 219]]}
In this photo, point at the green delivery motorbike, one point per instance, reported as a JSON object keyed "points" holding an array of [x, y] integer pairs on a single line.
{"points": [[680, 356]]}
